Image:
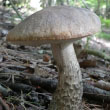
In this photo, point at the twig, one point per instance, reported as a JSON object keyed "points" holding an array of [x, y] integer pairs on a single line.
{"points": [[13, 6], [12, 106], [83, 1], [28, 103], [5, 106]]}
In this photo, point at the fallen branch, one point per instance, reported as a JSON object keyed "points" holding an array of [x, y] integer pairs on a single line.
{"points": [[95, 93], [20, 87], [3, 91], [89, 90], [102, 85], [98, 54], [47, 84]]}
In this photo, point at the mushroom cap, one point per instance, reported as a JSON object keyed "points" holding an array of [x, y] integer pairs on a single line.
{"points": [[55, 24]]}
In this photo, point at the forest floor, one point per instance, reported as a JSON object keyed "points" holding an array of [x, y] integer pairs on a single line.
{"points": [[21, 88]]}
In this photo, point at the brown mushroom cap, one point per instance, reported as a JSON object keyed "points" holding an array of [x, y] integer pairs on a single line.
{"points": [[55, 24]]}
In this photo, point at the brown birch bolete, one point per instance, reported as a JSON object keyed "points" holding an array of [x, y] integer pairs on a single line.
{"points": [[59, 26]]}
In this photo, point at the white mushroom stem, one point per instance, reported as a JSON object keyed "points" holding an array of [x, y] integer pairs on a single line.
{"points": [[68, 95]]}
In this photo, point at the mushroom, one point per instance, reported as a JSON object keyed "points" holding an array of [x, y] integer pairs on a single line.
{"points": [[60, 26]]}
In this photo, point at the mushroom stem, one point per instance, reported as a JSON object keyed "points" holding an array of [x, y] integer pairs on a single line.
{"points": [[68, 95]]}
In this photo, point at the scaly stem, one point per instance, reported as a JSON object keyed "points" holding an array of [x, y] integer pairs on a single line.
{"points": [[68, 95]]}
